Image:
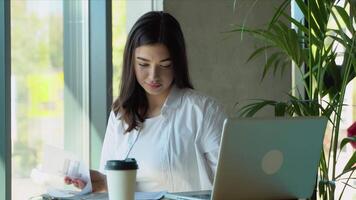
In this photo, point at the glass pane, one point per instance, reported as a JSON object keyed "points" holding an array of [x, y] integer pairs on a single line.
{"points": [[348, 117], [42, 82], [37, 88], [119, 34]]}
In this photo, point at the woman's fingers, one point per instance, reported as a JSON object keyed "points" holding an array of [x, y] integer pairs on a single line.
{"points": [[67, 180], [78, 183], [98, 181]]}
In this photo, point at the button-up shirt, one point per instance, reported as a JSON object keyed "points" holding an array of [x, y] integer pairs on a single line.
{"points": [[175, 151]]}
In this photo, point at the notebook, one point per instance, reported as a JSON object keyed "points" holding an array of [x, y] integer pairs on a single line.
{"points": [[265, 158]]}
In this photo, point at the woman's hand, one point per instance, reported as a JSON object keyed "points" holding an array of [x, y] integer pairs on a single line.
{"points": [[78, 183], [98, 181]]}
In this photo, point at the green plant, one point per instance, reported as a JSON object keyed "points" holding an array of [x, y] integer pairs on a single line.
{"points": [[311, 47]]}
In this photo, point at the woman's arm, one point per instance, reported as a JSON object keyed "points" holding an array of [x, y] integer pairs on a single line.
{"points": [[211, 134]]}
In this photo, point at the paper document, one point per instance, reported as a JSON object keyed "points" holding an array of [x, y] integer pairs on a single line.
{"points": [[57, 164]]}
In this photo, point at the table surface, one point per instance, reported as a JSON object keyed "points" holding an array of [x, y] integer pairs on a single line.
{"points": [[91, 196]]}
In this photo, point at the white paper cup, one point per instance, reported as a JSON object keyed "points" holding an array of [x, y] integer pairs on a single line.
{"points": [[121, 179]]}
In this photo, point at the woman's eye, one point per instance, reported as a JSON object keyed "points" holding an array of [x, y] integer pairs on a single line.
{"points": [[165, 66], [143, 64]]}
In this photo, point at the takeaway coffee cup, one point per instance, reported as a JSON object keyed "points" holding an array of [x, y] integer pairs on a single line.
{"points": [[121, 178]]}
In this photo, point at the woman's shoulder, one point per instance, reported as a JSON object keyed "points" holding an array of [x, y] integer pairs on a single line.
{"points": [[114, 115], [116, 123], [115, 118], [201, 104], [197, 96], [199, 99]]}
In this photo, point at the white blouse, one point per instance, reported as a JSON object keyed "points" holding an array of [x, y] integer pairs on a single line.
{"points": [[175, 151]]}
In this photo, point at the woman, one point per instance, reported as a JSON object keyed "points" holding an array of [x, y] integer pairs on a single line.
{"points": [[170, 129]]}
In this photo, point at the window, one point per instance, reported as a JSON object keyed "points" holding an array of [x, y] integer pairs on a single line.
{"points": [[52, 70], [348, 117], [49, 85]]}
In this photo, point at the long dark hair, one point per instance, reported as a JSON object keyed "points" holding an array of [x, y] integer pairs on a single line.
{"points": [[151, 28]]}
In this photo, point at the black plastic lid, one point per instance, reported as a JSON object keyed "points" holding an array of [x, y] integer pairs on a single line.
{"points": [[127, 164]]}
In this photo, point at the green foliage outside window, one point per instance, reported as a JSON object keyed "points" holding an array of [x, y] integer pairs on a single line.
{"points": [[37, 63], [119, 34]]}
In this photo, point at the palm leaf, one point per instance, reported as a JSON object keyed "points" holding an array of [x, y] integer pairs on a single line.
{"points": [[345, 18], [350, 164], [278, 13], [251, 109], [258, 51], [269, 63], [347, 140]]}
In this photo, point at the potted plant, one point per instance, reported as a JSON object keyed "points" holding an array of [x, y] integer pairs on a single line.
{"points": [[313, 46]]}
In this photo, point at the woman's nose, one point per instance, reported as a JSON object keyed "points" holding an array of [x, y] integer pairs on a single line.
{"points": [[154, 74]]}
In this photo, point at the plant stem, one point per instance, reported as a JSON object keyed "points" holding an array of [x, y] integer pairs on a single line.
{"points": [[347, 181]]}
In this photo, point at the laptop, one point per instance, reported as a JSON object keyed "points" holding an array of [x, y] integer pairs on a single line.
{"points": [[265, 158]]}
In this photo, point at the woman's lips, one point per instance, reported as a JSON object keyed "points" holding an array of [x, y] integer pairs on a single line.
{"points": [[154, 85]]}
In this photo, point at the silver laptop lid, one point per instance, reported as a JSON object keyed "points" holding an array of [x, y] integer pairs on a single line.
{"points": [[274, 158]]}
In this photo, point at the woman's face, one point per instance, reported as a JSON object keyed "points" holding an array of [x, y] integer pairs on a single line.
{"points": [[153, 69]]}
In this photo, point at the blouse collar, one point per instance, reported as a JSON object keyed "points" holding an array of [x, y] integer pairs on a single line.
{"points": [[173, 100]]}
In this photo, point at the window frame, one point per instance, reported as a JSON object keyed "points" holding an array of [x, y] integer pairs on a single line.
{"points": [[75, 66], [100, 67], [5, 101], [297, 75]]}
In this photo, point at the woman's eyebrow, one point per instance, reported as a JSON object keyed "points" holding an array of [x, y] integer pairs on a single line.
{"points": [[145, 59], [167, 59]]}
